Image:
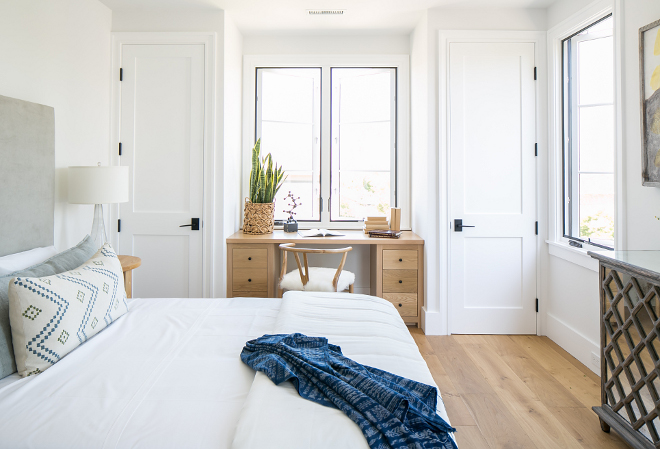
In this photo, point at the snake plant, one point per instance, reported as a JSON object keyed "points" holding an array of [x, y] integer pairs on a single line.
{"points": [[265, 181]]}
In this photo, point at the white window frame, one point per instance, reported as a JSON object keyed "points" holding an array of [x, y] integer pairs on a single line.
{"points": [[558, 244], [325, 62]]}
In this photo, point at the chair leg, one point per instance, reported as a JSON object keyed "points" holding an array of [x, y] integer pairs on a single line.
{"points": [[350, 288]]}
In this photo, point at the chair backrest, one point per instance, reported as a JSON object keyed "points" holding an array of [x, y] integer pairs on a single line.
{"points": [[304, 273]]}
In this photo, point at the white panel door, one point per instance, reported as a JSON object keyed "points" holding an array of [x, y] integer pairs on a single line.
{"points": [[162, 136], [492, 188]]}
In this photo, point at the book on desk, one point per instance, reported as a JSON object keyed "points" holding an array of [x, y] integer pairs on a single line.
{"points": [[320, 233]]}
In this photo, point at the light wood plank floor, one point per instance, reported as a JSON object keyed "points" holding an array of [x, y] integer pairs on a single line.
{"points": [[524, 391]]}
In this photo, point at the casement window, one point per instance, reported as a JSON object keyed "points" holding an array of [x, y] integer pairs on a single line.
{"points": [[588, 134], [336, 129]]}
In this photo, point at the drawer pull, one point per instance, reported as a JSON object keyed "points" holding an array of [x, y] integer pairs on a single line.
{"points": [[249, 280], [249, 258], [400, 260], [400, 305], [400, 281]]}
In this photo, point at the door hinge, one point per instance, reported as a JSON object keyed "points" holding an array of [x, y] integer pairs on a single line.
{"points": [[536, 228], [121, 74], [119, 225], [120, 148], [536, 149], [537, 305], [534, 73]]}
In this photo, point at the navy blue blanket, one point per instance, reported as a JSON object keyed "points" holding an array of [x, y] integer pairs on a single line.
{"points": [[391, 411]]}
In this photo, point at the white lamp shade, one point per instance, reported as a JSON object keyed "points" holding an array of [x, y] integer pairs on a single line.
{"points": [[98, 185]]}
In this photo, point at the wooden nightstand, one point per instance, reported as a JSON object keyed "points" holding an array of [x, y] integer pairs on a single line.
{"points": [[128, 264]]}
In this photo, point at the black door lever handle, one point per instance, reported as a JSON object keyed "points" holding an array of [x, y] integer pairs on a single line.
{"points": [[194, 224], [458, 225]]}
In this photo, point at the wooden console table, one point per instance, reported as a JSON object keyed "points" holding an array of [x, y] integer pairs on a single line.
{"points": [[629, 283], [396, 272]]}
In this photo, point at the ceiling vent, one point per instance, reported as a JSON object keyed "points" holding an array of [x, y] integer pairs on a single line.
{"points": [[325, 12]]}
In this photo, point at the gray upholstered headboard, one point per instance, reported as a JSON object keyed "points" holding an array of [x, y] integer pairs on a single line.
{"points": [[27, 175]]}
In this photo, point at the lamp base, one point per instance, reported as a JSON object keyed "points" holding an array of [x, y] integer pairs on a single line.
{"points": [[98, 227]]}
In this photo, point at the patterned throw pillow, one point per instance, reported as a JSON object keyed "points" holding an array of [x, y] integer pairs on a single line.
{"points": [[50, 316]]}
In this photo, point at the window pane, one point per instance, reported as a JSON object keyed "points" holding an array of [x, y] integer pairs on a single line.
{"points": [[588, 121], [363, 146], [596, 70], [301, 185], [363, 124], [289, 123], [288, 95], [364, 194], [597, 207], [365, 94], [290, 144], [596, 135]]}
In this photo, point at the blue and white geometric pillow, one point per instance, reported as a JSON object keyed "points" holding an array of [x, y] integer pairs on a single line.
{"points": [[51, 316]]}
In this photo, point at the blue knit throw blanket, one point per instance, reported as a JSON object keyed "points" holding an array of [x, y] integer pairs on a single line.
{"points": [[391, 411]]}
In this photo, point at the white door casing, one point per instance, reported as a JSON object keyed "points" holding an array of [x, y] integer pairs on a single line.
{"points": [[492, 176], [162, 137]]}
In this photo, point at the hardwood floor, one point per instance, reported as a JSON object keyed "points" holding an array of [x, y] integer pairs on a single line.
{"points": [[523, 391]]}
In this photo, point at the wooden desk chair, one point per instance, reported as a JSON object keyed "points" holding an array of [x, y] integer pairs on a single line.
{"points": [[315, 279]]}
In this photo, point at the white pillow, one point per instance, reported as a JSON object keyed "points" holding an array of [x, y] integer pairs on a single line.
{"points": [[52, 315], [19, 261]]}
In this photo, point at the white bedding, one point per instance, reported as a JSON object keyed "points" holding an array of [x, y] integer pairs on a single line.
{"points": [[369, 330], [166, 375]]}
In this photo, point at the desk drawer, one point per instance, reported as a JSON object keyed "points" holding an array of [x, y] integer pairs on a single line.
{"points": [[263, 294], [399, 259], [399, 281], [405, 303], [250, 258], [250, 279]]}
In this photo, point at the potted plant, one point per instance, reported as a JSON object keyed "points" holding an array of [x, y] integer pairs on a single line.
{"points": [[265, 182]]}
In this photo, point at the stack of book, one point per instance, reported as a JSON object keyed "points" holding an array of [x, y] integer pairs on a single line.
{"points": [[375, 224]]}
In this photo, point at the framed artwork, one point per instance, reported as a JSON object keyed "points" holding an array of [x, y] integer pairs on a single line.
{"points": [[649, 70]]}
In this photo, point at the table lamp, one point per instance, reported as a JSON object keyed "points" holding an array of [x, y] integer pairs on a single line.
{"points": [[98, 185]]}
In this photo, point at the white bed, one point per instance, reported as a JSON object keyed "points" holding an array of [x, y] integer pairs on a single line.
{"points": [[168, 375]]}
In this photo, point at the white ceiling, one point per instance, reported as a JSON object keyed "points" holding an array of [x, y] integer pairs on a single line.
{"points": [[267, 16]]}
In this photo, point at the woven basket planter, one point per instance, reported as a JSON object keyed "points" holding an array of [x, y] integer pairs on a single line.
{"points": [[259, 218]]}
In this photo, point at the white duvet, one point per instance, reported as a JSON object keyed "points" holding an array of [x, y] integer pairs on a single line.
{"points": [[369, 330], [168, 374], [165, 375]]}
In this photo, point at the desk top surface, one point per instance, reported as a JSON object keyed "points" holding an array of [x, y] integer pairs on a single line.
{"points": [[352, 237]]}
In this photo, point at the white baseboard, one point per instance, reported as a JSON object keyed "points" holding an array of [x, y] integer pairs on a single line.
{"points": [[433, 323], [572, 341]]}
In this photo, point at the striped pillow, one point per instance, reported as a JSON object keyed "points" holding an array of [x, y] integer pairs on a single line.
{"points": [[51, 316]]}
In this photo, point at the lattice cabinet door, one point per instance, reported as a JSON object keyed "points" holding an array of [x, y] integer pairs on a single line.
{"points": [[630, 349]]}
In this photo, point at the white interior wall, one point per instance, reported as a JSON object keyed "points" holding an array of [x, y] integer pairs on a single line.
{"points": [[642, 203], [562, 9], [58, 54], [164, 20], [325, 45], [422, 187], [233, 106]]}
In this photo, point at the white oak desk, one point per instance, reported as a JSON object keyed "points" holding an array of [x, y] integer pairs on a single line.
{"points": [[396, 272]]}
